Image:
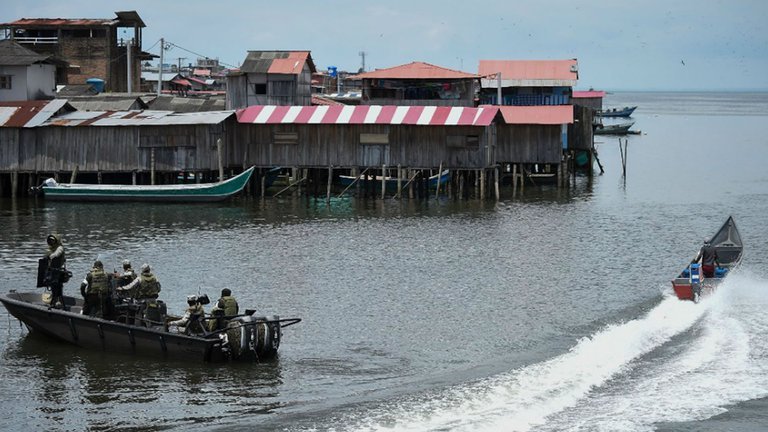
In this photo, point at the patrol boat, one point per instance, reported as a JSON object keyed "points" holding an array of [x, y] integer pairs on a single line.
{"points": [[246, 337]]}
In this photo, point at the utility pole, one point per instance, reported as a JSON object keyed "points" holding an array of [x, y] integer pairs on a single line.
{"points": [[128, 50], [180, 59], [160, 69], [362, 54], [498, 90]]}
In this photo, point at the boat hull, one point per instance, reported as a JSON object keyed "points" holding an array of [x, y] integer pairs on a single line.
{"points": [[624, 112], [692, 283], [121, 338], [207, 192]]}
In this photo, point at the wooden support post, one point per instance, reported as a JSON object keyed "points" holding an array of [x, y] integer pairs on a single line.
{"points": [[411, 173], [330, 177], [263, 183], [399, 180], [461, 185], [73, 178], [14, 183], [98, 177], [482, 183], [514, 179], [221, 160], [496, 182], [383, 181], [133, 177], [522, 179], [439, 178], [152, 165]]}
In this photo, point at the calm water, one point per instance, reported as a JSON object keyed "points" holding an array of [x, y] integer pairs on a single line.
{"points": [[546, 312]]}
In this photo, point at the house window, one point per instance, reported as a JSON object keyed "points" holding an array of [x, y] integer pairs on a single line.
{"points": [[5, 82], [463, 141], [286, 138], [260, 89]]}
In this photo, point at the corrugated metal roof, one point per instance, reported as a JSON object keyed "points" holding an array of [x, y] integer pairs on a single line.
{"points": [[529, 73], [588, 94], [25, 114], [368, 114], [14, 54], [137, 118], [284, 62], [544, 114], [60, 22], [414, 70]]}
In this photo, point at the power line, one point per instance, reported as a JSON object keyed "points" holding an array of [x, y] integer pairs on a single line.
{"points": [[171, 44]]}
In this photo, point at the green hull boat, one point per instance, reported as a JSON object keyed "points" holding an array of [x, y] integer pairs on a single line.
{"points": [[203, 192]]}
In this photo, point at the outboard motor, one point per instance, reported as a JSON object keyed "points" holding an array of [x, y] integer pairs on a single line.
{"points": [[696, 281]]}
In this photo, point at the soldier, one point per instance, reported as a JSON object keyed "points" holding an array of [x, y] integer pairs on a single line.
{"points": [[56, 274], [145, 287], [191, 322], [127, 276], [95, 291], [225, 308]]}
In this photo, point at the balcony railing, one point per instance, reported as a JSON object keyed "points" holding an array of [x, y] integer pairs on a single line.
{"points": [[527, 100], [37, 40]]}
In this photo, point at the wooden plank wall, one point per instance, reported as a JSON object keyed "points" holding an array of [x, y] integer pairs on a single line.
{"points": [[528, 143], [340, 146]]}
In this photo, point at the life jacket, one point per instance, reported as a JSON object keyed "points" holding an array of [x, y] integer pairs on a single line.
{"points": [[229, 305], [148, 287], [98, 283]]}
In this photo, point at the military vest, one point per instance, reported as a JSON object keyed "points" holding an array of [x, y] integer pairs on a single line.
{"points": [[149, 286], [229, 305], [98, 283]]}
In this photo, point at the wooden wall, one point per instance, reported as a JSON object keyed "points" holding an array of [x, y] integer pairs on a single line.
{"points": [[360, 145], [528, 143]]}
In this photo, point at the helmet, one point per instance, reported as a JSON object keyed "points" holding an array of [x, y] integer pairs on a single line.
{"points": [[191, 299], [98, 264], [51, 239], [226, 292], [145, 268], [126, 263], [707, 241]]}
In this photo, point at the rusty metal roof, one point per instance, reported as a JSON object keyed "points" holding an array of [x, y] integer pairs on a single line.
{"points": [[26, 114], [529, 73], [544, 114], [124, 18], [277, 62], [415, 70]]}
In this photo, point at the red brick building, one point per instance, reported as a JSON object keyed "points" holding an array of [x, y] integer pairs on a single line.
{"points": [[94, 48]]}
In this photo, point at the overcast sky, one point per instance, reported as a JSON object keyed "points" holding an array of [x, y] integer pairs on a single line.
{"points": [[620, 44]]}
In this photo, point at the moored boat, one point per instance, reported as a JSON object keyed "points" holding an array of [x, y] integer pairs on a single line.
{"points": [[613, 129], [202, 192], [692, 282], [247, 337], [391, 182], [617, 112]]}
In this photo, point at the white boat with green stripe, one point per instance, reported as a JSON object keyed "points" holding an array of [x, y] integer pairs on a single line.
{"points": [[201, 192]]}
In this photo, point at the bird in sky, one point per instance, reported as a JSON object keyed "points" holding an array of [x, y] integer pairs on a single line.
{"points": [[682, 62]]}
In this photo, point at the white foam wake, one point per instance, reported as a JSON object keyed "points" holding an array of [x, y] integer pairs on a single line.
{"points": [[602, 383]]}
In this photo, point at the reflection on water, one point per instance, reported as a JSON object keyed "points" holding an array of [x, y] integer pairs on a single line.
{"points": [[398, 298]]}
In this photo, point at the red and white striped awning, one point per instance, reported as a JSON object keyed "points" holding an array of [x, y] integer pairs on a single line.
{"points": [[368, 114]]}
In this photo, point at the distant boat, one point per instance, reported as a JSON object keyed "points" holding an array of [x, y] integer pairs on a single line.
{"points": [[691, 282], [444, 177], [201, 192], [620, 112], [613, 129]]}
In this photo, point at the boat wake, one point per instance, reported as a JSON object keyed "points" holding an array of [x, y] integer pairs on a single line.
{"points": [[680, 362]]}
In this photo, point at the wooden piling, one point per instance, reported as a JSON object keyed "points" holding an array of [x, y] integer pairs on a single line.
{"points": [[330, 177], [482, 183], [383, 181], [496, 182]]}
